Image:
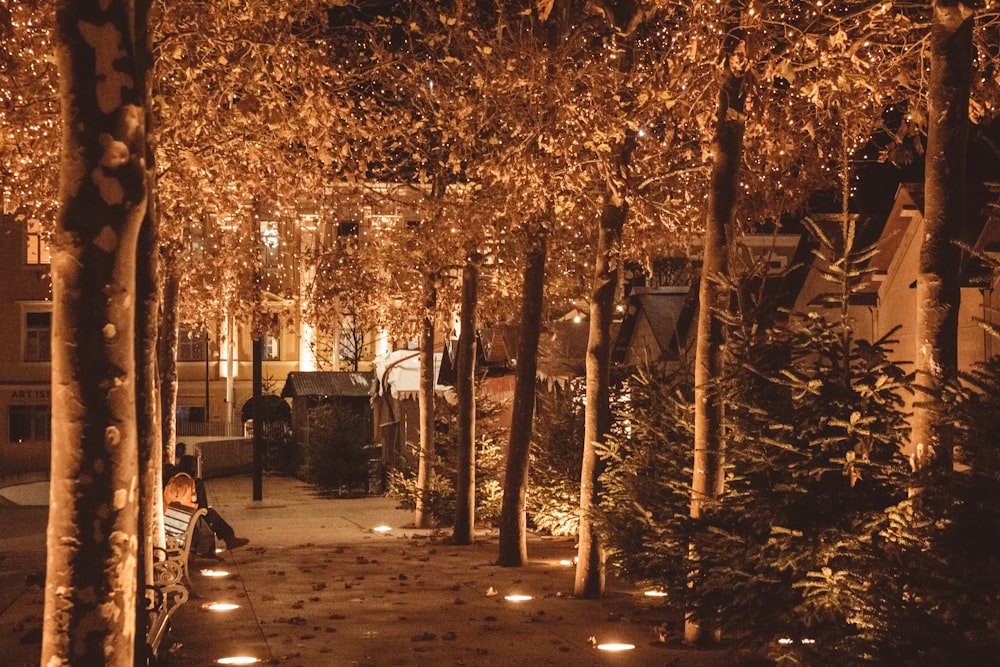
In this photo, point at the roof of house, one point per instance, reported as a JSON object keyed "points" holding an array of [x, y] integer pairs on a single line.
{"points": [[663, 310], [329, 383]]}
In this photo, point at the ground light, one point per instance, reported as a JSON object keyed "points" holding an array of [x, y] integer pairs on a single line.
{"points": [[517, 598], [615, 648], [655, 594], [237, 660], [382, 529], [220, 606], [214, 573]]}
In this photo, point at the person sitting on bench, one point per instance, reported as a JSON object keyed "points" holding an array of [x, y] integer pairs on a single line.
{"points": [[188, 465]]}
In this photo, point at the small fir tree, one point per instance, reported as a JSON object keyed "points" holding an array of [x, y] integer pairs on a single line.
{"points": [[814, 426], [644, 515]]}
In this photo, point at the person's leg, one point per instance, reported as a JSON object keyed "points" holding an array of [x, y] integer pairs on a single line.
{"points": [[223, 530]]}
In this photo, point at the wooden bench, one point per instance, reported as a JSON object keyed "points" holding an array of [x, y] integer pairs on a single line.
{"points": [[171, 581]]}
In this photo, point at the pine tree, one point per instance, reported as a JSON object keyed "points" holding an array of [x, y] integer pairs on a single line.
{"points": [[815, 425]]}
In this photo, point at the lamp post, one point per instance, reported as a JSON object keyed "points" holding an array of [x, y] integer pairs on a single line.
{"points": [[258, 417]]}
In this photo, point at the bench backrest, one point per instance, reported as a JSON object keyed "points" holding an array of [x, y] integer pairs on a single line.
{"points": [[178, 524]]}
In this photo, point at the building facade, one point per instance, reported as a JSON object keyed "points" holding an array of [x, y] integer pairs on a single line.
{"points": [[25, 356]]}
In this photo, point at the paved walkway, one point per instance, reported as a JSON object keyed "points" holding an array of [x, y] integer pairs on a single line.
{"points": [[318, 586]]}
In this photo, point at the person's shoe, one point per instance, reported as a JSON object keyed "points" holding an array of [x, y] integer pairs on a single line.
{"points": [[234, 542]]}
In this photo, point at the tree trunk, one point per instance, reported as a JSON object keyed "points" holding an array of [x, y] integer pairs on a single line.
{"points": [[938, 284], [148, 299], [148, 427], [167, 357], [513, 522], [92, 538], [465, 387], [589, 581], [727, 147], [425, 399]]}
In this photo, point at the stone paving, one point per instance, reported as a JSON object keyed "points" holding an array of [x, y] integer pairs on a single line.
{"points": [[317, 585]]}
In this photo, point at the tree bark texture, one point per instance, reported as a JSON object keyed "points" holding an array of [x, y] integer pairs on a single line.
{"points": [[465, 387], [513, 521], [938, 277], [148, 427], [148, 302], [167, 357], [589, 581], [727, 147], [92, 537], [425, 400]]}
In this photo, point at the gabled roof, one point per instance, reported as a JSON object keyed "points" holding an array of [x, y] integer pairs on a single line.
{"points": [[662, 309], [981, 231], [898, 231], [329, 383]]}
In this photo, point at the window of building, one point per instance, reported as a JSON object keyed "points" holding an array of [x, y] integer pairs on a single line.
{"points": [[348, 229], [38, 336], [269, 243], [192, 344], [195, 240], [190, 413], [272, 348], [28, 423], [36, 246], [341, 233]]}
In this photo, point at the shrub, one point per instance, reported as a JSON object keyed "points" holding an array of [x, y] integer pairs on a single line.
{"points": [[553, 501], [644, 510], [440, 504], [335, 451]]}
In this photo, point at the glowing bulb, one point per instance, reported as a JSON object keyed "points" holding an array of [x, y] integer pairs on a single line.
{"points": [[382, 529], [220, 606], [615, 647], [517, 598], [214, 573]]}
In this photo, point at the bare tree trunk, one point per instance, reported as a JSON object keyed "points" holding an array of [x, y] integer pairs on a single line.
{"points": [[150, 446], [513, 522], [465, 387], [425, 399], [597, 414], [167, 357], [149, 442], [727, 147], [938, 285], [92, 538]]}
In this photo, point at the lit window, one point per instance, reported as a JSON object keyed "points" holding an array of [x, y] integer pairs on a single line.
{"points": [[191, 344], [38, 336], [28, 423], [36, 246], [272, 350], [195, 238], [269, 243]]}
